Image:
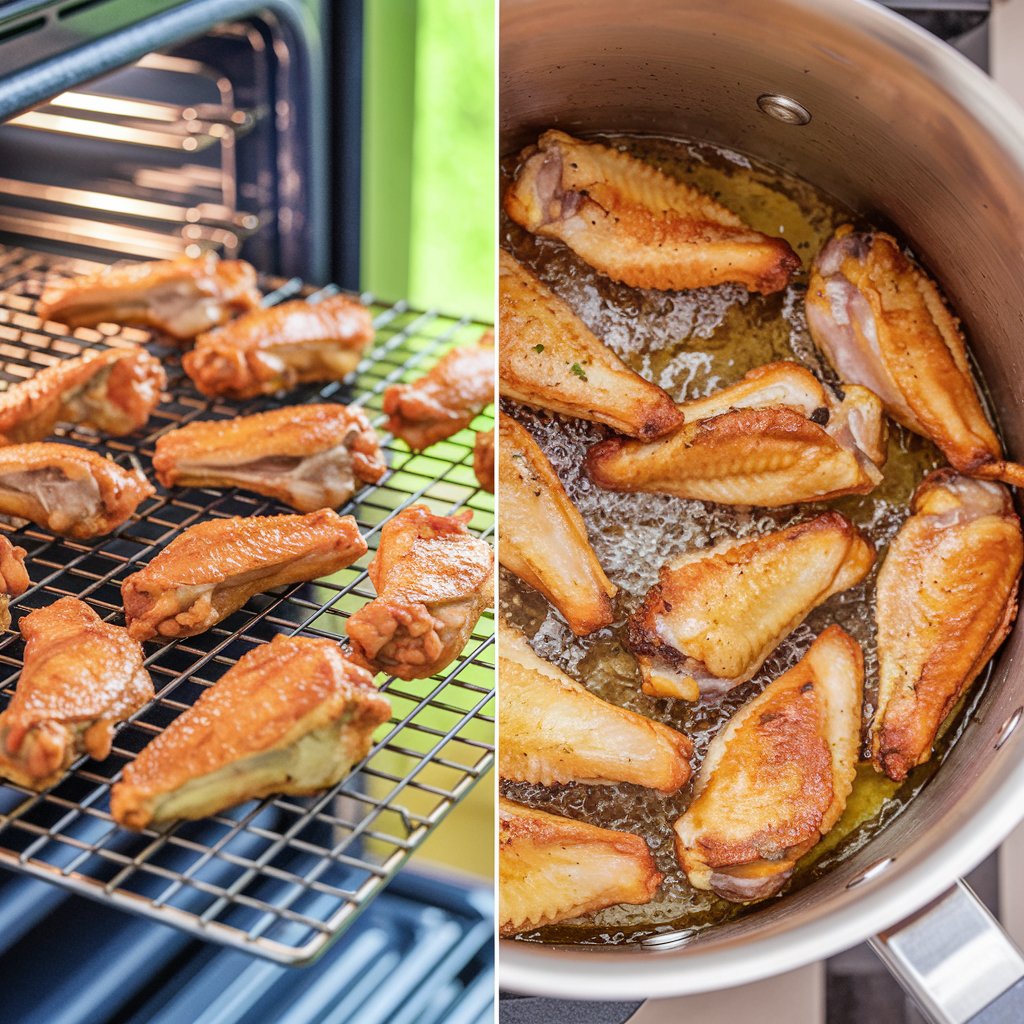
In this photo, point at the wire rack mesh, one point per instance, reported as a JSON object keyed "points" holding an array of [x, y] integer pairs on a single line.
{"points": [[285, 876]]}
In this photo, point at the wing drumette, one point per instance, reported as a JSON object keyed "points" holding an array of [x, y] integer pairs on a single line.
{"points": [[13, 578], [947, 597], [775, 438], [81, 677], [308, 456], [214, 567], [483, 459], [181, 297], [637, 225], [433, 579], [293, 716]]}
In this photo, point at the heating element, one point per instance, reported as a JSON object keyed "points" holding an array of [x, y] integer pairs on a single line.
{"points": [[283, 877]]}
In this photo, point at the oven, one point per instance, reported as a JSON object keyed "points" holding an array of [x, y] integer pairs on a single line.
{"points": [[141, 129]]}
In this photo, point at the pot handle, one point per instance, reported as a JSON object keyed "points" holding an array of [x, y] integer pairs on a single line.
{"points": [[954, 959]]}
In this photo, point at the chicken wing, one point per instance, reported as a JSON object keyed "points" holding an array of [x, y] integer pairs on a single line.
{"points": [[548, 358], [276, 349], [713, 617], [882, 322], [182, 297], [307, 456], [81, 676], [14, 579], [114, 391], [483, 459], [444, 401], [554, 730], [433, 580], [947, 597], [209, 571], [777, 777], [68, 490], [553, 868], [293, 716], [543, 538], [637, 225], [775, 438]]}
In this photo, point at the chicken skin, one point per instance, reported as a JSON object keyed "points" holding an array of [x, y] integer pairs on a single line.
{"points": [[14, 579], [483, 459], [293, 716], [637, 225], [713, 617], [433, 580], [306, 456], [68, 490], [777, 777], [554, 868], [947, 597], [114, 392], [81, 676], [181, 297], [272, 350], [543, 538], [211, 569], [548, 358], [775, 438], [446, 399], [554, 730], [882, 322]]}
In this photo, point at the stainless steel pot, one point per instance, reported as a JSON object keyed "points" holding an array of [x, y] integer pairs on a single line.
{"points": [[905, 130]]}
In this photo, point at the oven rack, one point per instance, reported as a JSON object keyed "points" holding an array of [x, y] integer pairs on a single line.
{"points": [[283, 877]]}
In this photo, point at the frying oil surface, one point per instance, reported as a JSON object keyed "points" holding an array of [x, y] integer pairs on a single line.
{"points": [[691, 343]]}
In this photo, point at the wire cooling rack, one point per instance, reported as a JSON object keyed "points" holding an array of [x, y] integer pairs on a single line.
{"points": [[283, 877]]}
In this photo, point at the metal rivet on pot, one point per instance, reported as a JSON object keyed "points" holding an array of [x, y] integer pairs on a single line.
{"points": [[1008, 727], [873, 871], [783, 108], [668, 940]]}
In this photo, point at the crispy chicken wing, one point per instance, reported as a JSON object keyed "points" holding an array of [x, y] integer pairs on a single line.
{"points": [[548, 358], [433, 580], [947, 597], [81, 676], [483, 459], [715, 615], [293, 716], [181, 297], [882, 322], [112, 391], [553, 868], [775, 438], [637, 225], [68, 490], [777, 777], [554, 730], [209, 571], [276, 349], [307, 456], [543, 538], [444, 401], [14, 579]]}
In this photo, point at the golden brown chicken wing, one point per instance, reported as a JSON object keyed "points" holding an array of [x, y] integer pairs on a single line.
{"points": [[947, 597], [444, 401], [553, 868], [211, 569], [713, 617], [554, 730], [548, 358], [14, 579], [114, 391], [543, 538], [181, 297], [293, 716], [777, 777], [433, 580], [637, 225], [81, 677], [882, 322], [483, 459], [307, 456], [68, 490], [272, 350], [775, 438]]}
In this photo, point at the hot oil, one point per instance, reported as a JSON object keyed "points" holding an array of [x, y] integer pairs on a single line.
{"points": [[691, 343]]}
